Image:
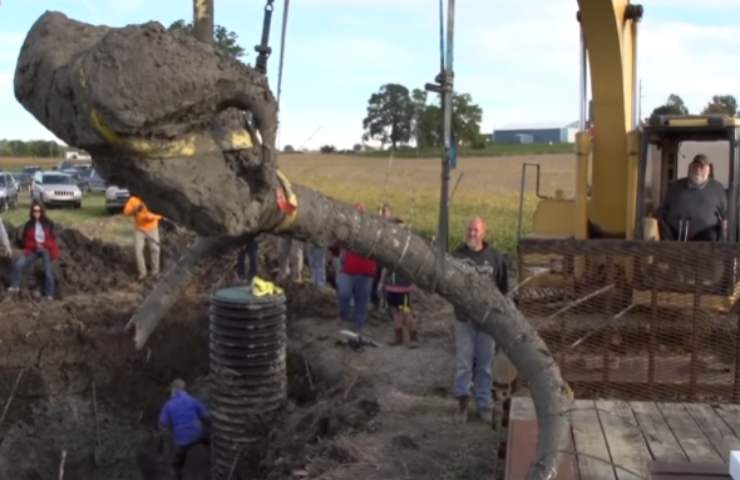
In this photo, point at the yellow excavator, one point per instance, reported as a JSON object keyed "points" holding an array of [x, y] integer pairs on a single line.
{"points": [[624, 167]]}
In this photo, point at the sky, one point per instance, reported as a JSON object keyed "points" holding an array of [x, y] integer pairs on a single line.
{"points": [[518, 59]]}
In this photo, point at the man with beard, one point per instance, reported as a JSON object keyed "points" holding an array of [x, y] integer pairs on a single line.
{"points": [[473, 348], [695, 207]]}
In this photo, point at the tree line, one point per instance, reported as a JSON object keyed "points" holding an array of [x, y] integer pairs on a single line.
{"points": [[396, 116], [719, 104], [31, 148]]}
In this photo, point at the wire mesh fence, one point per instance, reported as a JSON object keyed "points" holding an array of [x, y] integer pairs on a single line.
{"points": [[637, 320]]}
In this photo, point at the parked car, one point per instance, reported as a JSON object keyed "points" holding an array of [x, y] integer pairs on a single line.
{"points": [[30, 170], [23, 180], [96, 182], [54, 188], [84, 169], [81, 181], [116, 198], [8, 191]]}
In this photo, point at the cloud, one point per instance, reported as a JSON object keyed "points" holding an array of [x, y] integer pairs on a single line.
{"points": [[696, 66]]}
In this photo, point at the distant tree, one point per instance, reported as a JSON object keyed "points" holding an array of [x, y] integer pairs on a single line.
{"points": [[721, 104], [419, 101], [480, 142], [224, 39], [389, 115], [673, 106], [328, 149], [357, 147], [429, 131], [31, 148], [288, 149], [466, 118]]}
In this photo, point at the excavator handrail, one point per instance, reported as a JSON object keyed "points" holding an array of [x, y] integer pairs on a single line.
{"points": [[521, 194]]}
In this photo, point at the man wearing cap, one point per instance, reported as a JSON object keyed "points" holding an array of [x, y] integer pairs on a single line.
{"points": [[184, 416], [695, 207]]}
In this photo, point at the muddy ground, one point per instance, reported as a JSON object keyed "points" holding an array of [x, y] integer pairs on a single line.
{"points": [[83, 392]]}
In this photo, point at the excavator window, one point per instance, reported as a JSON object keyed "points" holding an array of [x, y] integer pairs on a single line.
{"points": [[666, 155]]}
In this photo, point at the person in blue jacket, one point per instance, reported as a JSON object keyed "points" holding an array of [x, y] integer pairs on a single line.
{"points": [[184, 416]]}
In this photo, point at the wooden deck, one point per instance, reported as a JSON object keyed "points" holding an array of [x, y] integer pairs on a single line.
{"points": [[617, 440]]}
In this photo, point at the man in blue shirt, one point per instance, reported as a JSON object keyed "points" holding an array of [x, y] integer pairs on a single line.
{"points": [[184, 416]]}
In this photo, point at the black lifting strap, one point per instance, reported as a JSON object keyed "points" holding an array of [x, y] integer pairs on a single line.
{"points": [[263, 49]]}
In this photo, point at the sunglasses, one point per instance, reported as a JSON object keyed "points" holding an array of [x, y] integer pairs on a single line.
{"points": [[36, 210]]}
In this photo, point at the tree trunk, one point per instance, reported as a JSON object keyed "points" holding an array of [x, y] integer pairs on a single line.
{"points": [[162, 114]]}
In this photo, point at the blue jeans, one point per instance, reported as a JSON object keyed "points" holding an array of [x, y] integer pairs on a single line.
{"points": [[249, 250], [473, 358], [317, 263], [26, 261], [354, 288]]}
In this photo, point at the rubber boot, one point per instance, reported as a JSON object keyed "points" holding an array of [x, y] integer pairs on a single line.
{"points": [[462, 410], [413, 339], [398, 338]]}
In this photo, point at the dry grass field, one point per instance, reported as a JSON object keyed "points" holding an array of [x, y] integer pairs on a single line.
{"points": [[489, 188], [17, 163]]}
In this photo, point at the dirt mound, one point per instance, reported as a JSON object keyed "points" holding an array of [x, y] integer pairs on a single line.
{"points": [[89, 265]]}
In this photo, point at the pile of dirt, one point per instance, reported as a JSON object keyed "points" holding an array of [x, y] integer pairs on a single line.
{"points": [[83, 389], [369, 414], [76, 346], [89, 265]]}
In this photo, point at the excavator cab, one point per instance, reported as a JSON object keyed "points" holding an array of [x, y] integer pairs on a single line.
{"points": [[669, 143]]}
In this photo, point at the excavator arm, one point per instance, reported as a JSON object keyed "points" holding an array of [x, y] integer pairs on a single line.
{"points": [[607, 153]]}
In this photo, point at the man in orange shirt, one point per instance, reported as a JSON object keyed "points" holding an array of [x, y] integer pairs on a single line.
{"points": [[146, 231]]}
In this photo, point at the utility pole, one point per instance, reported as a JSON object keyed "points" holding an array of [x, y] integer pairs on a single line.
{"points": [[444, 87], [203, 20]]}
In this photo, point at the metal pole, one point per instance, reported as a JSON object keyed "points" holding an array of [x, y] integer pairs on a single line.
{"points": [[441, 36], [583, 84], [447, 89], [286, 7], [203, 20]]}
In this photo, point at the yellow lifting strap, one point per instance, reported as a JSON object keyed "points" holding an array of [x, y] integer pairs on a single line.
{"points": [[263, 288], [287, 202]]}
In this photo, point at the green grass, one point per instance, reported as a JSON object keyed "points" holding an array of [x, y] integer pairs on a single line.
{"points": [[491, 150], [421, 211], [92, 219], [93, 207]]}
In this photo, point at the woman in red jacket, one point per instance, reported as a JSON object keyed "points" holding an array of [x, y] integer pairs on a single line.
{"points": [[39, 243]]}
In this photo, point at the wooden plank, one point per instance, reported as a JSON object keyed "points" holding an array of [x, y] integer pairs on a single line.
{"points": [[521, 449], [522, 408], [627, 447], [688, 471], [731, 415], [720, 435], [589, 440], [663, 445], [693, 441]]}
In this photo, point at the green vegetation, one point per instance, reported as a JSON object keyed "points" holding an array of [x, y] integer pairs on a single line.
{"points": [[719, 104], [490, 150], [31, 148], [224, 39], [396, 116]]}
